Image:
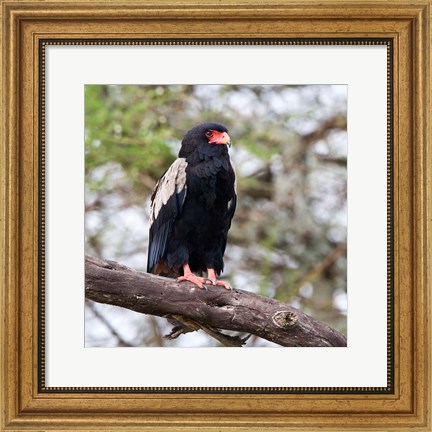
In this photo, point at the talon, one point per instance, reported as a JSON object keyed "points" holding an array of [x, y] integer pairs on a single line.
{"points": [[225, 284], [212, 277], [210, 281], [190, 277], [194, 279]]}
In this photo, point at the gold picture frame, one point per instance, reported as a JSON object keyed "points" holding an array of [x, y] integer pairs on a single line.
{"points": [[26, 25]]}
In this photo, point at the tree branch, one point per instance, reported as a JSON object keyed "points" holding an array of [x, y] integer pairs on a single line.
{"points": [[214, 309]]}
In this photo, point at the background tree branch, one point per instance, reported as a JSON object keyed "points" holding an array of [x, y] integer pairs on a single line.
{"points": [[213, 310]]}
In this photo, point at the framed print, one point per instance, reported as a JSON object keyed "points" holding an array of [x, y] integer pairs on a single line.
{"points": [[216, 216]]}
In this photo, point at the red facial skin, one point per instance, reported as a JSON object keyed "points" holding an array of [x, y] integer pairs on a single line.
{"points": [[216, 137]]}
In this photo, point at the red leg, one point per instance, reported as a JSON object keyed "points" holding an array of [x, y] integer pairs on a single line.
{"points": [[189, 276], [214, 280]]}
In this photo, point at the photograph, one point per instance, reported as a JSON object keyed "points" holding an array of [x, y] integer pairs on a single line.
{"points": [[216, 216], [222, 188]]}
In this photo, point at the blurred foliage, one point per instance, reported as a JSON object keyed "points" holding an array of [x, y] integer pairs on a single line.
{"points": [[288, 238]]}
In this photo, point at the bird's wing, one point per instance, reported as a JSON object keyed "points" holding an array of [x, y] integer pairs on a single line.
{"points": [[166, 206], [229, 215]]}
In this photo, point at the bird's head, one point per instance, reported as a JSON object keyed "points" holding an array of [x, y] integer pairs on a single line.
{"points": [[207, 134]]}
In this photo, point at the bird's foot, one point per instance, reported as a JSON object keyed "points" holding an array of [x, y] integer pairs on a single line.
{"points": [[223, 283], [213, 280], [190, 277]]}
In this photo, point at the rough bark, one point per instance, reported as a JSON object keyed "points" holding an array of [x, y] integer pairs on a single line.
{"points": [[211, 310]]}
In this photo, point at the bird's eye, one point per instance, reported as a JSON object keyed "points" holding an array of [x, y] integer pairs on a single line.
{"points": [[209, 134]]}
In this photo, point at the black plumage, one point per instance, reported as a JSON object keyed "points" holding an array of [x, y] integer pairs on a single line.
{"points": [[191, 208]]}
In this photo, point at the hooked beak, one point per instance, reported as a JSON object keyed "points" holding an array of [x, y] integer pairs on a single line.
{"points": [[221, 138]]}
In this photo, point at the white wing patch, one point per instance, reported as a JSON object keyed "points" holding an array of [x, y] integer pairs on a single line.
{"points": [[173, 181]]}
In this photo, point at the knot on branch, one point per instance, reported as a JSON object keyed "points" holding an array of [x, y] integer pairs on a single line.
{"points": [[285, 319]]}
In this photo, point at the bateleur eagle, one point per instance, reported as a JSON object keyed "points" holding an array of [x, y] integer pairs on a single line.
{"points": [[191, 209]]}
